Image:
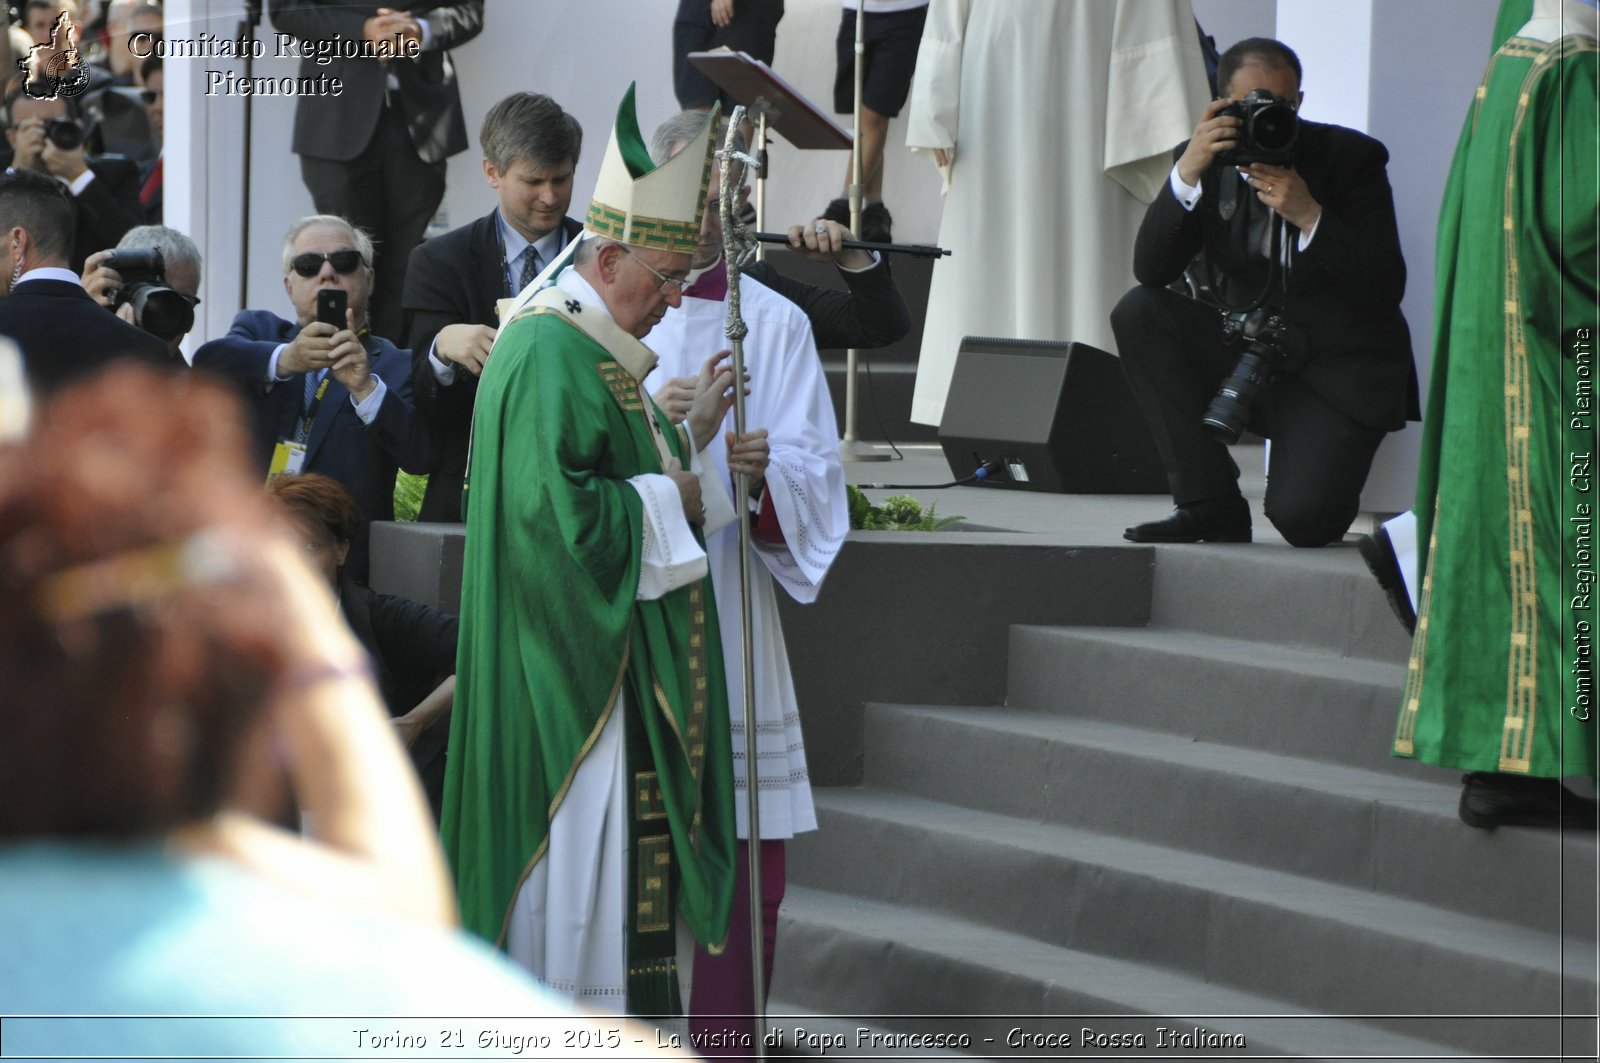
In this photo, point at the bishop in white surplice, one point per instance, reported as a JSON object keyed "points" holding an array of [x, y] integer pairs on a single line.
{"points": [[805, 484]]}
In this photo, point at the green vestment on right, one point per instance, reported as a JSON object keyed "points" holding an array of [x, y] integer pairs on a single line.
{"points": [[552, 634], [1500, 678]]}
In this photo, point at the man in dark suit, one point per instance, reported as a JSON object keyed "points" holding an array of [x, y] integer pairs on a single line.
{"points": [[530, 151], [1347, 377], [62, 332], [375, 154], [104, 188], [330, 400]]}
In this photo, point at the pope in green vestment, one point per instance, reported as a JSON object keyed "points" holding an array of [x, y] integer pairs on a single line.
{"points": [[564, 640], [1501, 671]]}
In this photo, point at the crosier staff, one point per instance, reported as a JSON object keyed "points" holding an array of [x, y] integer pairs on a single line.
{"points": [[737, 248]]}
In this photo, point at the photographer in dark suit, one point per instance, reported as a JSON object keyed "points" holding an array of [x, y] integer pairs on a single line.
{"points": [[1315, 241], [46, 136], [530, 151], [375, 154]]}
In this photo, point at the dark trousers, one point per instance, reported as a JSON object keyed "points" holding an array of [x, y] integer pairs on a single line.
{"points": [[1174, 357], [392, 194]]}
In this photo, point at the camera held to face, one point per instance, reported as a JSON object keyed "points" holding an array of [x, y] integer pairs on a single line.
{"points": [[64, 133], [1268, 128], [158, 309]]}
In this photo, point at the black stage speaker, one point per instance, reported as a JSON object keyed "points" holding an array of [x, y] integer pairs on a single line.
{"points": [[1058, 416]]}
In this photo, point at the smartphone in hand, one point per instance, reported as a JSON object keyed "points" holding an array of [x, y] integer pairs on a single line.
{"points": [[331, 306]]}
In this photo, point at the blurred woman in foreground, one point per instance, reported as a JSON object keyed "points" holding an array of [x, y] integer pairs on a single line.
{"points": [[167, 662]]}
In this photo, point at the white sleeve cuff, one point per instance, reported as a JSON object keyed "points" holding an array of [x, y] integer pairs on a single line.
{"points": [[443, 371], [80, 182], [367, 408], [669, 556], [272, 365], [1307, 234], [876, 258], [1187, 194]]}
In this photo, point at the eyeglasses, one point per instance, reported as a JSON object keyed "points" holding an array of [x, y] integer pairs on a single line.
{"points": [[149, 96], [310, 263], [668, 284]]}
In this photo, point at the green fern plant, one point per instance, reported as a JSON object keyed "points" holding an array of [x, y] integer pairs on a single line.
{"points": [[898, 513]]}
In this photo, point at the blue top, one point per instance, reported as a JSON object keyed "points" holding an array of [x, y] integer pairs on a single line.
{"points": [[134, 931]]}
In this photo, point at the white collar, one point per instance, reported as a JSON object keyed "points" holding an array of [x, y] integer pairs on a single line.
{"points": [[51, 273]]}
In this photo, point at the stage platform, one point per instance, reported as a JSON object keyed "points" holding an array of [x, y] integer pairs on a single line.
{"points": [[1059, 519], [1065, 782]]}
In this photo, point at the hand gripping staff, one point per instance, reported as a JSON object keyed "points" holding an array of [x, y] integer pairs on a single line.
{"points": [[738, 247]]}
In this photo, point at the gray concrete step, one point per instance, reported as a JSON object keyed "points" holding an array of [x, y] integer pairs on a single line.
{"points": [[1359, 828], [1316, 599], [922, 970], [1278, 699], [1291, 937]]}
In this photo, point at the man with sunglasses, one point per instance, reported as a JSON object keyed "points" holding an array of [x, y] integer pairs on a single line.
{"points": [[329, 399]]}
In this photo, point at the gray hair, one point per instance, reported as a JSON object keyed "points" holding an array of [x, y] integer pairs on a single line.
{"points": [[681, 128], [589, 248], [527, 125], [358, 237], [175, 247]]}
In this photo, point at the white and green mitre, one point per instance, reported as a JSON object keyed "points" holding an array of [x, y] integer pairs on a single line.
{"points": [[644, 205]]}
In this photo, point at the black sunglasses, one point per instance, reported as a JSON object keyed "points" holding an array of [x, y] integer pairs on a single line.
{"points": [[310, 263], [148, 96]]}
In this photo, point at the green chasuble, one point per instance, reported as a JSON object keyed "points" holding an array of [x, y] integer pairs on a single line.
{"points": [[551, 633], [1502, 665]]}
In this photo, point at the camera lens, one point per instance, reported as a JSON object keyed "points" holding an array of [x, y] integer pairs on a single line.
{"points": [[1273, 128], [1225, 418], [64, 133], [160, 311]]}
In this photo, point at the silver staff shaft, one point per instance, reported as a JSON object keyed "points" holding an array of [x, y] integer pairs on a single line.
{"points": [[736, 245]]}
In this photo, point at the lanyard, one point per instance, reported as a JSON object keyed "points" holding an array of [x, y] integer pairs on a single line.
{"points": [[302, 428]]}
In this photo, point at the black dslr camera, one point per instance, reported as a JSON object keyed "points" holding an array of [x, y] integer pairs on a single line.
{"points": [[1268, 340], [1268, 128], [158, 309], [64, 133]]}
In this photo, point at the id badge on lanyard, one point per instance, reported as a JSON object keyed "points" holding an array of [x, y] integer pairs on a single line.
{"points": [[289, 456]]}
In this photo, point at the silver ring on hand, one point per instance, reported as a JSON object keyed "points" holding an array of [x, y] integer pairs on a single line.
{"points": [[822, 228]]}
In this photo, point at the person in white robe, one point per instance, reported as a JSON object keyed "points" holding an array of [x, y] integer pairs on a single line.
{"points": [[1053, 122], [799, 517]]}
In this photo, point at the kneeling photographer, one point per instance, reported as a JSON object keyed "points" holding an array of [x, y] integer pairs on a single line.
{"points": [[1299, 337], [150, 279]]}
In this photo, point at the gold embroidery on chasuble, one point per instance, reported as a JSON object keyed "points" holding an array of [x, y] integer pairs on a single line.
{"points": [[654, 866]]}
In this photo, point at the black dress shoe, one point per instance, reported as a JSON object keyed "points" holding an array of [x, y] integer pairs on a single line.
{"points": [[1378, 552], [1214, 520], [1494, 799], [838, 211]]}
